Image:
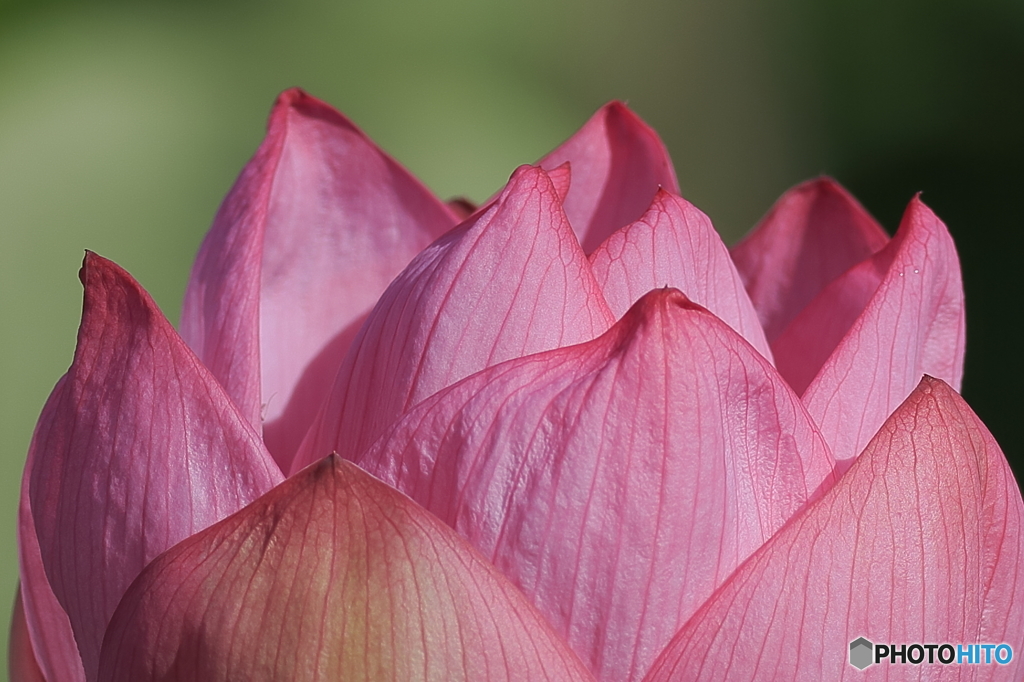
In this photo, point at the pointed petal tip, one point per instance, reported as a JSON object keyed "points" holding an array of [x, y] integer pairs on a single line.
{"points": [[83, 272], [663, 298], [618, 112], [662, 195], [91, 260], [827, 189], [297, 98], [916, 205], [657, 309], [561, 179], [617, 107], [290, 96], [822, 188], [652, 305], [552, 184], [99, 274], [943, 396], [299, 101], [331, 465], [527, 173], [822, 184], [521, 178], [669, 199]]}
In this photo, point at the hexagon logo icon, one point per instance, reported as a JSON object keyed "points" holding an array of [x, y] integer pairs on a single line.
{"points": [[860, 653]]}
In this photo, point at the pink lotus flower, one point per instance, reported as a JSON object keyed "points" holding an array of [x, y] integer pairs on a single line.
{"points": [[551, 464]]}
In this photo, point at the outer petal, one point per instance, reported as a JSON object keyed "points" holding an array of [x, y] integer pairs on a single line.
{"points": [[315, 228], [876, 330], [674, 245], [21, 660], [921, 541], [49, 630], [812, 235], [138, 448], [331, 576], [509, 282], [618, 482], [618, 163]]}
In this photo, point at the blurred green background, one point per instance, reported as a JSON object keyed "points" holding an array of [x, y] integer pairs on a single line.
{"points": [[122, 125]]}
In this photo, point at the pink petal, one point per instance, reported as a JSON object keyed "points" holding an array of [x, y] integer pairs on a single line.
{"points": [[21, 660], [876, 330], [561, 180], [617, 482], [812, 337], [812, 235], [317, 225], [46, 621], [618, 163], [138, 448], [509, 282], [674, 245], [331, 576], [921, 541]]}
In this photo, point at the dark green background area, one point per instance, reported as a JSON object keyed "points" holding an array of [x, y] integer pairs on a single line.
{"points": [[123, 124]]}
